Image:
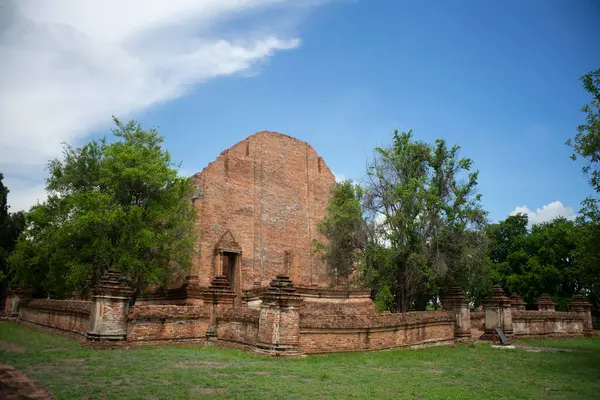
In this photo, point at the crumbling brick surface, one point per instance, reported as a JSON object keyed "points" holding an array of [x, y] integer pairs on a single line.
{"points": [[64, 315], [326, 334], [270, 191], [547, 323], [166, 322]]}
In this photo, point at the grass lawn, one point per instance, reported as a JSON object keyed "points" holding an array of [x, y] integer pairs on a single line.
{"points": [[463, 372]]}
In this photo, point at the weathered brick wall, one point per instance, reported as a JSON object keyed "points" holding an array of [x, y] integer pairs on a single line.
{"points": [[540, 323], [323, 334], [270, 191], [317, 302], [478, 320], [238, 325], [64, 315], [166, 322]]}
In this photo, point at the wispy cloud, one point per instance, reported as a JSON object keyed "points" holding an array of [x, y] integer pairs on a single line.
{"points": [[547, 213], [67, 65]]}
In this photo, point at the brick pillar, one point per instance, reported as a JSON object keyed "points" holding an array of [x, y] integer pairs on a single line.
{"points": [[545, 303], [517, 303], [110, 304], [581, 306], [497, 313], [217, 298], [279, 324], [15, 299], [455, 301]]}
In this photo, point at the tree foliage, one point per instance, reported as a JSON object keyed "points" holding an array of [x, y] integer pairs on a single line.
{"points": [[112, 204], [11, 225], [423, 199], [344, 229], [586, 143], [551, 257]]}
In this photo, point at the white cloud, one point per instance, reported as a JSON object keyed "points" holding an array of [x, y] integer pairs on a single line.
{"points": [[545, 214], [339, 177], [67, 65]]}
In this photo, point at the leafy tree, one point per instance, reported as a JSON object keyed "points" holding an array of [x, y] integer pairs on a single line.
{"points": [[11, 225], [345, 231], [429, 216], [550, 258], [116, 204], [586, 144]]}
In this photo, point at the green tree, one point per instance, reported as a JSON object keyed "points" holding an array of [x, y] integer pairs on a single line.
{"points": [[424, 199], [345, 232], [11, 225], [117, 204], [586, 145]]}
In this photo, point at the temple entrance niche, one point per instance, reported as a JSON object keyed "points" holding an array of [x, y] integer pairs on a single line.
{"points": [[229, 266], [228, 259]]}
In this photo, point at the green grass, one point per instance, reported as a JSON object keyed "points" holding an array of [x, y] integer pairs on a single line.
{"points": [[179, 372]]}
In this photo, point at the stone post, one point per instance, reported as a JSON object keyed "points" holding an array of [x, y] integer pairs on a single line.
{"points": [[217, 298], [110, 304], [497, 313], [15, 299], [581, 306], [546, 304], [455, 301], [279, 324], [517, 303]]}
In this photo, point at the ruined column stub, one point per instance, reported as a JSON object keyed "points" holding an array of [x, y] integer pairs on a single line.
{"points": [[497, 313], [110, 304], [455, 301], [279, 325], [517, 303], [580, 305], [545, 303]]}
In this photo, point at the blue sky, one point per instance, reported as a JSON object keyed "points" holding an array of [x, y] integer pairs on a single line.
{"points": [[498, 78]]}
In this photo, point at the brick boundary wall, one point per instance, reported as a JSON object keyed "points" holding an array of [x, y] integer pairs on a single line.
{"points": [[547, 324], [64, 316], [166, 323], [335, 333], [478, 320], [239, 326]]}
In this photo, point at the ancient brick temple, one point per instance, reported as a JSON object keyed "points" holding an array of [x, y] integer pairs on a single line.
{"points": [[258, 205], [256, 284]]}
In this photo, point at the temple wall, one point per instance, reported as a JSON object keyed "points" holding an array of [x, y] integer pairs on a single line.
{"points": [[70, 316], [544, 323]]}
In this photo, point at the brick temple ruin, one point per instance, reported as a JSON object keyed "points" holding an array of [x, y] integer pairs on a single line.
{"points": [[255, 283]]}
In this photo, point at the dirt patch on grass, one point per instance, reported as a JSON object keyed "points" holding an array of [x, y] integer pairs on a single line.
{"points": [[53, 349], [198, 392], [262, 373], [200, 364], [433, 371], [11, 347], [428, 362]]}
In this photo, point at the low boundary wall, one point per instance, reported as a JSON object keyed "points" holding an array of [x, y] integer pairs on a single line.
{"points": [[335, 333], [544, 323], [72, 316]]}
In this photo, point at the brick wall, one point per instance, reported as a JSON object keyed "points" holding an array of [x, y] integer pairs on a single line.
{"points": [[238, 325], [72, 316], [478, 320], [540, 323], [335, 302], [166, 323], [270, 191], [323, 334]]}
